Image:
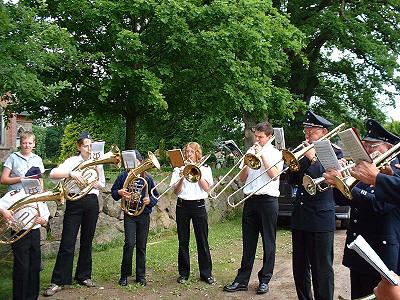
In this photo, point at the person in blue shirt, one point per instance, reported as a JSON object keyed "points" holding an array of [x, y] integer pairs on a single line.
{"points": [[136, 227]]}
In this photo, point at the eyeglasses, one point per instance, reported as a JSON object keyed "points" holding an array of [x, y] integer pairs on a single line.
{"points": [[310, 130], [372, 146]]}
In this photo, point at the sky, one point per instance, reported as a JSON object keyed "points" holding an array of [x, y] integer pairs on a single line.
{"points": [[392, 112]]}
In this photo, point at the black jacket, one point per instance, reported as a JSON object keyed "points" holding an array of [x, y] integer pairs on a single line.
{"points": [[312, 213]]}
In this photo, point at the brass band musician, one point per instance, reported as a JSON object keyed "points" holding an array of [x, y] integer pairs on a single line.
{"points": [[260, 212]]}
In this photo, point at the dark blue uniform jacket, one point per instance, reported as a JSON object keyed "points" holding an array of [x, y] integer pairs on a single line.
{"points": [[119, 183], [377, 221], [312, 213]]}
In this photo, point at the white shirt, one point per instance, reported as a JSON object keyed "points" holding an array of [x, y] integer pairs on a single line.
{"points": [[11, 197], [192, 191], [19, 165], [70, 163], [273, 156]]}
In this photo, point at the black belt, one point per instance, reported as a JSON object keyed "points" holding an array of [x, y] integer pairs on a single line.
{"points": [[199, 201]]}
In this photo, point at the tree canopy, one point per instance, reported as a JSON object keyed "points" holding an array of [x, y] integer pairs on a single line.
{"points": [[180, 70]]}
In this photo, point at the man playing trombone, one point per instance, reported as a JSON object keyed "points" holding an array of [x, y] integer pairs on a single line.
{"points": [[313, 221], [260, 211], [373, 218]]}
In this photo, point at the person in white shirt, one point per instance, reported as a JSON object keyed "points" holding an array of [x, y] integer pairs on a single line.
{"points": [[26, 250], [260, 211], [18, 163], [191, 206], [83, 214]]}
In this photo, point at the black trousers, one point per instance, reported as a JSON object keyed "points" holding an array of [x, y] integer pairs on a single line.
{"points": [[363, 284], [260, 214], [195, 210], [136, 233], [313, 254], [26, 269], [82, 214]]}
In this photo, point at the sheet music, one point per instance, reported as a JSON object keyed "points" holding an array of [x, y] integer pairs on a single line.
{"points": [[233, 148], [326, 155], [31, 185], [361, 246], [353, 146], [97, 152], [129, 157], [176, 158], [279, 138]]}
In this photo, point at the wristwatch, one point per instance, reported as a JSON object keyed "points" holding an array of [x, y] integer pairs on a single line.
{"points": [[313, 160]]}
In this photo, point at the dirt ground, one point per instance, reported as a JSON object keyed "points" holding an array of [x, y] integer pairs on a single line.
{"points": [[281, 285]]}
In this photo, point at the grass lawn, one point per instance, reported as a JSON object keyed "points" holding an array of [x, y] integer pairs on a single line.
{"points": [[226, 250]]}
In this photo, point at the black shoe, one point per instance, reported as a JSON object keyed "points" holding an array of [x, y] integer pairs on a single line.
{"points": [[262, 288], [209, 280], [123, 281], [142, 282], [235, 286], [182, 279]]}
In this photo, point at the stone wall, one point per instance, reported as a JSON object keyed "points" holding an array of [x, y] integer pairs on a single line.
{"points": [[110, 223]]}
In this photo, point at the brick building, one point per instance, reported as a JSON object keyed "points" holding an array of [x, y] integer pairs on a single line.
{"points": [[10, 135]]}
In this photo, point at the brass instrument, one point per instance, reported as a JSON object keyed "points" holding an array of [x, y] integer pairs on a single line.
{"points": [[346, 184], [313, 185], [135, 184], [89, 174], [291, 159], [250, 160], [191, 172], [9, 233]]}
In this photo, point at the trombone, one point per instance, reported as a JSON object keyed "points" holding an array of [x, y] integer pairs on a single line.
{"points": [[249, 159], [291, 159], [345, 185], [191, 172]]}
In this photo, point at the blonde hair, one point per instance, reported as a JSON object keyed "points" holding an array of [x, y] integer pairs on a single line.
{"points": [[197, 150], [27, 135]]}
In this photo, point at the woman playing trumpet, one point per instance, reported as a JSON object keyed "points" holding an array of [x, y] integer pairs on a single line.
{"points": [[191, 206], [260, 212]]}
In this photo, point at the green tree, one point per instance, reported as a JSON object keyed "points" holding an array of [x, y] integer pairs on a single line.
{"points": [[352, 50], [29, 49], [205, 67]]}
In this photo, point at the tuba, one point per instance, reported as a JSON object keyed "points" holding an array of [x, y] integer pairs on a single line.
{"points": [[74, 190], [346, 184], [135, 184], [22, 217]]}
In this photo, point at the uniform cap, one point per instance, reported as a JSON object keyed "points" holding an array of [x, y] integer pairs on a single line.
{"points": [[34, 172], [84, 135], [314, 120], [376, 132]]}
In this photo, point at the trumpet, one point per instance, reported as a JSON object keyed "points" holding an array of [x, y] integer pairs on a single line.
{"points": [[191, 172], [249, 159], [10, 233], [291, 159], [346, 184], [313, 185]]}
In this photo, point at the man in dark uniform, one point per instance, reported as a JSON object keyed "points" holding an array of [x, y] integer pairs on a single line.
{"points": [[313, 221], [376, 220]]}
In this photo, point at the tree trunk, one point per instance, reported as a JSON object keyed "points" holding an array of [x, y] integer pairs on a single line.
{"points": [[249, 124], [130, 137]]}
